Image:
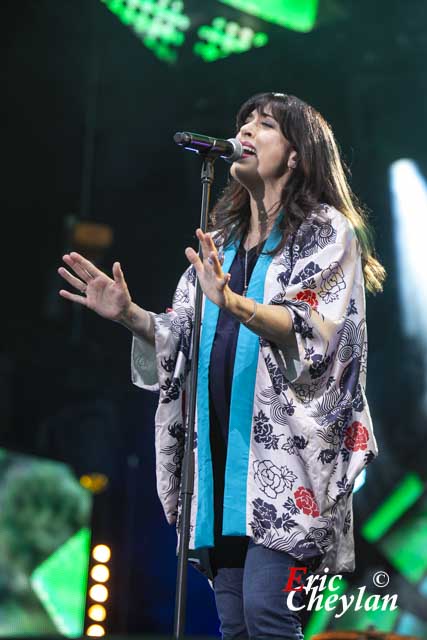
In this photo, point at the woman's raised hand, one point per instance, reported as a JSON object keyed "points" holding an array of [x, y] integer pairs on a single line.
{"points": [[213, 281], [109, 298]]}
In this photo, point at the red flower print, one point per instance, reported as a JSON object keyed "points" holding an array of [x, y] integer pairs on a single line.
{"points": [[304, 499], [308, 296], [356, 437]]}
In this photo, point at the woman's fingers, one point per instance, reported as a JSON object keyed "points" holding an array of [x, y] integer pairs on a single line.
{"points": [[224, 277], [75, 282], [86, 264], [210, 242], [213, 260], [227, 278], [118, 275], [193, 257], [77, 268], [73, 297], [205, 243], [84, 269]]}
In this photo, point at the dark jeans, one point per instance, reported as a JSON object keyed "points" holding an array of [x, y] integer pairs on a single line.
{"points": [[250, 601]]}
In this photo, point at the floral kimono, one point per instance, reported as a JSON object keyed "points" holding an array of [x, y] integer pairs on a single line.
{"points": [[300, 429]]}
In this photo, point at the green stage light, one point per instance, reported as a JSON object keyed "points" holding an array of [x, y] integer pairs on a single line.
{"points": [[60, 583], [223, 38], [299, 15], [160, 24], [319, 620], [363, 619], [393, 508], [406, 547]]}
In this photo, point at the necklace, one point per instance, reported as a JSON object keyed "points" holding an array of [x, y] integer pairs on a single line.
{"points": [[245, 287]]}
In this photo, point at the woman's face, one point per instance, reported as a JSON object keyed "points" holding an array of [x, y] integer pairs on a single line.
{"points": [[271, 154]]}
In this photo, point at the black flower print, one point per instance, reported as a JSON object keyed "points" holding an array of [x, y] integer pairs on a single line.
{"points": [[295, 443], [276, 376], [300, 442], [304, 392], [172, 388], [265, 512], [308, 353], [287, 523], [258, 530], [301, 326], [358, 403], [263, 432], [263, 516], [345, 454], [307, 273], [352, 309], [327, 455], [265, 519], [288, 476], [319, 364], [181, 327], [347, 523], [181, 296], [268, 478], [190, 275], [291, 507], [261, 422], [344, 486], [175, 453], [168, 364]]}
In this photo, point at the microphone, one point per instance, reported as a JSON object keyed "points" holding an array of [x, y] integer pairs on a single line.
{"points": [[229, 150]]}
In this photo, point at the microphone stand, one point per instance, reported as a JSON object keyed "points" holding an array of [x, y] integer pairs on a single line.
{"points": [[187, 477]]}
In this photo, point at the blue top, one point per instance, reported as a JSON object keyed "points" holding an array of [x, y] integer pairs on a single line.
{"points": [[229, 551]]}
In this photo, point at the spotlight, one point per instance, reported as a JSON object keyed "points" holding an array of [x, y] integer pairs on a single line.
{"points": [[100, 573], [98, 592], [101, 553], [97, 612], [95, 631]]}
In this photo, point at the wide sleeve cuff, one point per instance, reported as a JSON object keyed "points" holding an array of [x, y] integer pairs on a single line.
{"points": [[143, 364]]}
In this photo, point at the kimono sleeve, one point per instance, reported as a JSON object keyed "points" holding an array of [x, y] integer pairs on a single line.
{"points": [[325, 287], [151, 364]]}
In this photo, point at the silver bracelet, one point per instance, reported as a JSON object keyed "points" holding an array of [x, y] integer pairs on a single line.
{"points": [[253, 315]]}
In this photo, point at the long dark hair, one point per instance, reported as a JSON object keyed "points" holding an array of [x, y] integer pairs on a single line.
{"points": [[318, 178]]}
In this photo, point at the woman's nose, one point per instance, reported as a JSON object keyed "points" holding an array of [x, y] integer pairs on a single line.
{"points": [[246, 129]]}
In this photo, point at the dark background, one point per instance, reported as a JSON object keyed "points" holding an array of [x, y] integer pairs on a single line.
{"points": [[89, 114]]}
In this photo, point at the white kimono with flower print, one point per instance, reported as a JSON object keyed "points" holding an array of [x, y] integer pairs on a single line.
{"points": [[311, 431]]}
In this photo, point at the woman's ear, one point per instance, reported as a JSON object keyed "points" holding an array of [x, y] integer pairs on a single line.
{"points": [[292, 160]]}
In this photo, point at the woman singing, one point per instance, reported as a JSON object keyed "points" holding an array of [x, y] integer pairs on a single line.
{"points": [[283, 426]]}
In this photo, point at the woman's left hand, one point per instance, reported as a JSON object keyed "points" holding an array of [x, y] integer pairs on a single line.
{"points": [[212, 279]]}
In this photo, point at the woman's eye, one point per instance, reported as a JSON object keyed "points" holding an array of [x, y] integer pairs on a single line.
{"points": [[267, 124]]}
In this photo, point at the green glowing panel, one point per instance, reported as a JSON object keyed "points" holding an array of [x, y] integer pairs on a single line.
{"points": [[393, 508], [299, 15], [60, 583], [319, 620], [365, 615], [406, 548], [222, 38], [160, 24]]}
